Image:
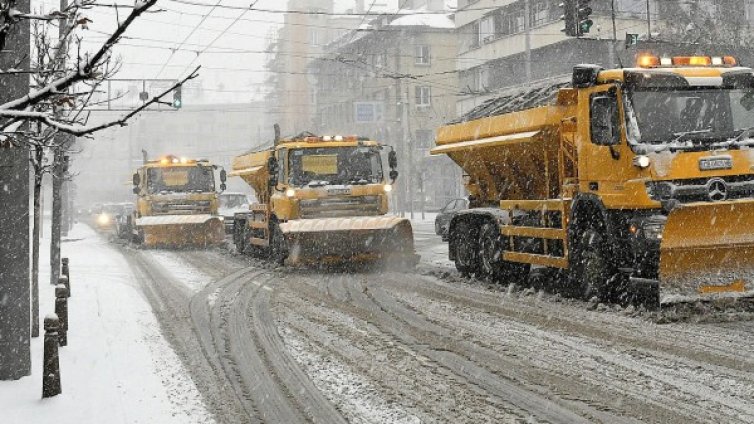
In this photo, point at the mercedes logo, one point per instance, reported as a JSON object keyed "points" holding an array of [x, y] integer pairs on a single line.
{"points": [[717, 190]]}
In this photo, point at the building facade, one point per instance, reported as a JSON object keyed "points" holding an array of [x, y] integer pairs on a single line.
{"points": [[513, 44], [396, 83]]}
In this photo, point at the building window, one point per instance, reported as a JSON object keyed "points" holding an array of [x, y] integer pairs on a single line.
{"points": [[423, 96], [540, 13], [424, 139], [471, 36], [421, 55], [486, 29]]}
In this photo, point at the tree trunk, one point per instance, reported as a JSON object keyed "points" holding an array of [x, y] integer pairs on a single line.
{"points": [[55, 227], [35, 238]]}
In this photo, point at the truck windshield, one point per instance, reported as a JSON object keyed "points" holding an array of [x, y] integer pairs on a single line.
{"points": [[689, 117], [180, 179], [335, 165]]}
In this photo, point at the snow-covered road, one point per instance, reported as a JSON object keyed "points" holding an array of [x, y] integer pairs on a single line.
{"points": [[298, 345], [283, 344]]}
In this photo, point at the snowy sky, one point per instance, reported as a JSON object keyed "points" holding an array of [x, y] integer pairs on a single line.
{"points": [[232, 41]]}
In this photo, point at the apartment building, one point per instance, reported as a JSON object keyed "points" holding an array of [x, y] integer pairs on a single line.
{"points": [[514, 43], [395, 81]]}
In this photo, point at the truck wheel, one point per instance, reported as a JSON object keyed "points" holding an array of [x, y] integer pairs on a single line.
{"points": [[591, 268], [278, 248], [491, 251], [239, 236], [466, 245], [491, 247]]}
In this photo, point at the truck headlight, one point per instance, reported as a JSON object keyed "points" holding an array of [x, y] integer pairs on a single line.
{"points": [[388, 188], [103, 219], [641, 161], [290, 192]]}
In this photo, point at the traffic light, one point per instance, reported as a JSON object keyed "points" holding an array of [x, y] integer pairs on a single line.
{"points": [[569, 17], [583, 10], [177, 102]]}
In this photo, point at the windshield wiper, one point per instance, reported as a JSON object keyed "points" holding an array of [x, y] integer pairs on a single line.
{"points": [[743, 134], [679, 136]]}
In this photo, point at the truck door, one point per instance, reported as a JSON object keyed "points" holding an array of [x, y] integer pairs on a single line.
{"points": [[604, 155]]}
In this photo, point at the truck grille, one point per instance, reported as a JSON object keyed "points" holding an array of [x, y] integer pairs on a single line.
{"points": [[702, 189], [332, 207], [181, 207]]}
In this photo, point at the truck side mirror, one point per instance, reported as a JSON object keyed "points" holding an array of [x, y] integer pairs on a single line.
{"points": [[272, 168], [393, 176], [136, 179], [392, 159], [136, 190], [223, 187], [604, 124], [223, 176]]}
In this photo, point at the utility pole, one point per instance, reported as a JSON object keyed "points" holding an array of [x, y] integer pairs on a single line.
{"points": [[410, 157], [527, 38], [15, 301], [649, 23], [612, 16], [401, 118]]}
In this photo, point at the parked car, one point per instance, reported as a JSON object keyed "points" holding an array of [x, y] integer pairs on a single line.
{"points": [[122, 224], [442, 221]]}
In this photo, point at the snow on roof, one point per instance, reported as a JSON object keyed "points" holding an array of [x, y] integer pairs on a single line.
{"points": [[432, 20]]}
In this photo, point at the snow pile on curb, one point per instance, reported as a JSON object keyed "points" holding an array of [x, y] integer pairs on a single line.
{"points": [[117, 367]]}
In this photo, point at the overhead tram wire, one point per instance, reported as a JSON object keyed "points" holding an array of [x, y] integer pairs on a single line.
{"points": [[219, 35], [319, 13], [172, 53]]}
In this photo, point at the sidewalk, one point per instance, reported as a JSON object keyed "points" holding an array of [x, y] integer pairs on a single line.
{"points": [[117, 367]]}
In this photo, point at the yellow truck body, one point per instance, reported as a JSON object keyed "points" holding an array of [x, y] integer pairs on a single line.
{"points": [[320, 199], [176, 204], [639, 182]]}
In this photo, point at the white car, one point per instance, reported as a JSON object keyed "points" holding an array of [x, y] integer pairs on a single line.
{"points": [[230, 203]]}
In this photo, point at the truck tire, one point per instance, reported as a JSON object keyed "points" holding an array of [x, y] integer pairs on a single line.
{"points": [[239, 236], [592, 271], [278, 247], [492, 266], [465, 242]]}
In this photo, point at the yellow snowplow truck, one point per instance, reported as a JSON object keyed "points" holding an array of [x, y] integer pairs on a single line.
{"points": [[638, 182], [176, 204], [321, 200]]}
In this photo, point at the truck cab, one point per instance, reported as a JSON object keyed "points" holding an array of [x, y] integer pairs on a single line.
{"points": [[177, 203], [321, 198]]}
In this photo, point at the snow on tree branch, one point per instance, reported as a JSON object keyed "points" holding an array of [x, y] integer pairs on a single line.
{"points": [[59, 67], [82, 130]]}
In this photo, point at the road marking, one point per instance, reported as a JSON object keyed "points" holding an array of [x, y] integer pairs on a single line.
{"points": [[267, 288]]}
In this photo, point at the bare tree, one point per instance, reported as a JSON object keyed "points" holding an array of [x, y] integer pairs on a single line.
{"points": [[65, 81], [722, 22]]}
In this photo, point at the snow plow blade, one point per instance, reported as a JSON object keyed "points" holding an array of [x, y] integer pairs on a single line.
{"points": [[707, 252], [181, 230], [362, 239]]}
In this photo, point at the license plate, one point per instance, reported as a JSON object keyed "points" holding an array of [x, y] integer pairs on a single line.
{"points": [[338, 191], [712, 163]]}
